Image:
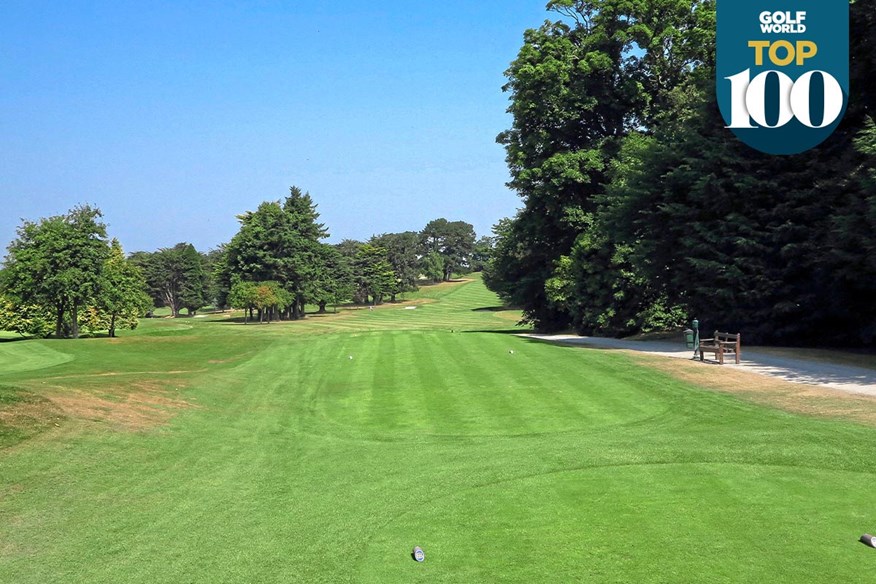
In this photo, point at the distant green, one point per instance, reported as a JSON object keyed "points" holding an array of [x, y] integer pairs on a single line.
{"points": [[324, 450]]}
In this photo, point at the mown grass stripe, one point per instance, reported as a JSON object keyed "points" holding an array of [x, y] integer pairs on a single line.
{"points": [[295, 463]]}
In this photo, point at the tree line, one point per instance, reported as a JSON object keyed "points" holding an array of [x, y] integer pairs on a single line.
{"points": [[63, 275], [641, 211]]}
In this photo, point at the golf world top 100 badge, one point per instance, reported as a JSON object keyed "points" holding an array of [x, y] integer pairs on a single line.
{"points": [[782, 71]]}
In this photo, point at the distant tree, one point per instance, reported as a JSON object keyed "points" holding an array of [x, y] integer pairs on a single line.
{"points": [[301, 209], [349, 250], [333, 280], [56, 264], [268, 298], [481, 253], [278, 242], [349, 247], [454, 240], [374, 273], [402, 250], [507, 272], [432, 235], [217, 287], [432, 266], [264, 297], [122, 298], [176, 277], [243, 296]]}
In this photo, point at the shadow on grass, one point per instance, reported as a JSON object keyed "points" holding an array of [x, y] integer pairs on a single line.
{"points": [[514, 331], [240, 320]]}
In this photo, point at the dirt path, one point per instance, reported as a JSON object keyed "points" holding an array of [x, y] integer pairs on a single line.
{"points": [[847, 378]]}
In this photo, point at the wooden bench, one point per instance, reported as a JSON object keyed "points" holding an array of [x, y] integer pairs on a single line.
{"points": [[721, 344]]}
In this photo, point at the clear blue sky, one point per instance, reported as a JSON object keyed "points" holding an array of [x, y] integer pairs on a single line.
{"points": [[174, 117]]}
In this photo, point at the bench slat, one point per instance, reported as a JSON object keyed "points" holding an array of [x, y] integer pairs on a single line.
{"points": [[720, 344]]}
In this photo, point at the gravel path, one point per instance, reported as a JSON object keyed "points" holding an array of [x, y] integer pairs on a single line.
{"points": [[842, 377]]}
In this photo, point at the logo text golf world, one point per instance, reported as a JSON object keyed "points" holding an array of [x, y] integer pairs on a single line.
{"points": [[782, 79]]}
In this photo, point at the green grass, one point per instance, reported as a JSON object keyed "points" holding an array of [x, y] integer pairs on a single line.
{"points": [[506, 459]]}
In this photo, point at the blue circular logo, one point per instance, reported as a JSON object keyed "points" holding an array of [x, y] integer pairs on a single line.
{"points": [[419, 554]]}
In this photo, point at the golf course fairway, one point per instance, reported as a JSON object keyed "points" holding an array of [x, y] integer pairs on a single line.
{"points": [[210, 451]]}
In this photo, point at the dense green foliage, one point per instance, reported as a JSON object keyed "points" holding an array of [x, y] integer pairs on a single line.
{"points": [[454, 241], [61, 274], [285, 460], [123, 299], [403, 254], [177, 277], [280, 242], [375, 276], [641, 210]]}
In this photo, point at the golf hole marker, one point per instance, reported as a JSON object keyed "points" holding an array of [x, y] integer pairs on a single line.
{"points": [[418, 553]]}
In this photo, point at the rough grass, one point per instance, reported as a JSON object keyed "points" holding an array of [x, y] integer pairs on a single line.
{"points": [[281, 459], [792, 397]]}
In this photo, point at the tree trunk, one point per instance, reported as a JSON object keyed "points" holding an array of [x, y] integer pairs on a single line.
{"points": [[74, 315], [59, 323], [322, 304], [112, 326]]}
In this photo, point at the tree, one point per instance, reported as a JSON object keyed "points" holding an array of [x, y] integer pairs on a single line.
{"points": [[374, 273], [301, 209], [402, 250], [243, 296], [453, 240], [176, 277], [349, 250], [578, 86], [333, 280], [432, 266], [641, 209], [481, 253], [56, 264], [26, 319], [218, 288], [278, 242], [122, 298], [508, 273], [779, 247]]}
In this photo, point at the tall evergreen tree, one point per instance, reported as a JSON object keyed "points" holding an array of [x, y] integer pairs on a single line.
{"points": [[402, 250], [278, 242]]}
